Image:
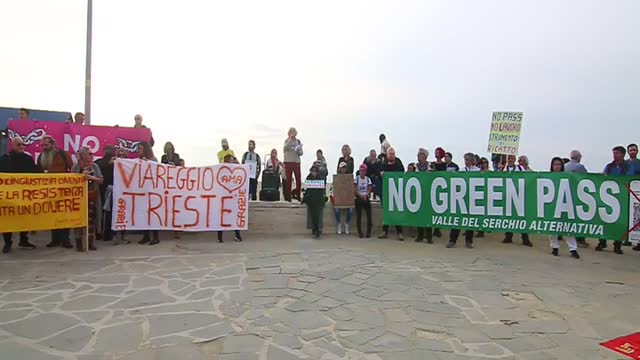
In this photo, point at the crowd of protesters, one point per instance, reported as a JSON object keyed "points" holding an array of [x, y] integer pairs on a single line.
{"points": [[367, 184]]}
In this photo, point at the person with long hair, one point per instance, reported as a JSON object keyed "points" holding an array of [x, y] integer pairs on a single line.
{"points": [[557, 165], [347, 159], [170, 156], [92, 173], [145, 152]]}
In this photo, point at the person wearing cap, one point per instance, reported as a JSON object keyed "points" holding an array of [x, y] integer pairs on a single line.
{"points": [[363, 187], [343, 169], [391, 164], [314, 198], [225, 151]]}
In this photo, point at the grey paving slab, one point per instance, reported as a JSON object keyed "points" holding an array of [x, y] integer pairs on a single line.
{"points": [[72, 340], [119, 338], [167, 324], [242, 344], [11, 350], [88, 302], [143, 298], [39, 326]]}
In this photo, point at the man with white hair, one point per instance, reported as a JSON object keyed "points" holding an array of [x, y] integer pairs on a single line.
{"points": [[574, 165], [17, 161]]}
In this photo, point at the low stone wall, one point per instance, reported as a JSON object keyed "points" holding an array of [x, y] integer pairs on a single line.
{"points": [[285, 219]]}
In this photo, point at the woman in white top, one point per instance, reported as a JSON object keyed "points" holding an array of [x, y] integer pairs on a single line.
{"points": [[363, 188], [557, 165]]}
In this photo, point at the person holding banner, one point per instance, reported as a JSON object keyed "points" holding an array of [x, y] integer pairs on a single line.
{"points": [[230, 159], [469, 165], [138, 125], [574, 165], [438, 165], [17, 161], [314, 198], [391, 164], [511, 167], [343, 168], [557, 165], [618, 167], [253, 159], [54, 160], [423, 166], [145, 152], [363, 187], [92, 173]]}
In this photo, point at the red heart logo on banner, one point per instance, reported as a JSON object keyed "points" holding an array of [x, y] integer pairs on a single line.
{"points": [[231, 180]]}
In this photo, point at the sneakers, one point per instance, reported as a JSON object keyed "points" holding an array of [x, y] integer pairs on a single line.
{"points": [[25, 244], [574, 254], [451, 245], [400, 237], [346, 229], [7, 247], [384, 235], [238, 238], [554, 252], [339, 231]]}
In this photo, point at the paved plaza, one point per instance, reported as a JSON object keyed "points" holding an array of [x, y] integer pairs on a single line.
{"points": [[297, 298]]}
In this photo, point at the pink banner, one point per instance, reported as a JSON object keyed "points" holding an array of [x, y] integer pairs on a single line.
{"points": [[72, 137]]}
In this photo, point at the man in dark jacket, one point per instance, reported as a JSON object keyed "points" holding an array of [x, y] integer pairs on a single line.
{"points": [[314, 199], [105, 164], [17, 161], [391, 164]]}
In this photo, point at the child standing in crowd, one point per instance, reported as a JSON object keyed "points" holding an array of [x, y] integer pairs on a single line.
{"points": [[314, 199], [145, 152], [363, 188], [343, 169], [230, 159], [557, 165], [373, 171], [391, 164], [512, 167], [470, 166], [253, 159], [292, 153]]}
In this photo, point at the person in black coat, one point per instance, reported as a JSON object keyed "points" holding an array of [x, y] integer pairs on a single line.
{"points": [[17, 162], [391, 164]]}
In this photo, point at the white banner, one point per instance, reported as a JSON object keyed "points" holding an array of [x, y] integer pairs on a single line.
{"points": [[152, 196]]}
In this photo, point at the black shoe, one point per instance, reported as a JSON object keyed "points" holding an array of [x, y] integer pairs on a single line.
{"points": [[636, 248], [574, 254], [368, 236], [429, 240], [507, 241], [144, 240], [25, 244], [419, 239], [360, 235], [527, 243], [468, 245], [7, 247], [451, 245], [601, 246], [554, 252], [154, 242], [437, 233], [53, 244], [617, 248], [67, 244], [480, 234]]}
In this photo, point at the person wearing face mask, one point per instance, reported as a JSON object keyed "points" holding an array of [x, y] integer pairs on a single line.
{"points": [[253, 159]]}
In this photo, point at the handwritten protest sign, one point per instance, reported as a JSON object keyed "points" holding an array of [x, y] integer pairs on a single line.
{"points": [[343, 191], [504, 137], [30, 202], [153, 196], [71, 137]]}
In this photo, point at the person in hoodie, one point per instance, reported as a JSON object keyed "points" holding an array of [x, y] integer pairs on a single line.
{"points": [[470, 166], [17, 161], [252, 158], [557, 165], [391, 164], [314, 198]]}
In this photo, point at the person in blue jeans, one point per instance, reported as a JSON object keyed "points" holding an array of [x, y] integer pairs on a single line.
{"points": [[343, 169], [618, 167]]}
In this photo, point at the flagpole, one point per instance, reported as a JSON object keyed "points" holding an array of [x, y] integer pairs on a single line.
{"points": [[87, 80]]}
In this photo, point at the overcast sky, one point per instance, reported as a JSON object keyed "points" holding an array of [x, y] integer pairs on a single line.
{"points": [[426, 73]]}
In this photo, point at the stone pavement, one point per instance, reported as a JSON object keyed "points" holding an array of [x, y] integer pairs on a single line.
{"points": [[347, 298]]}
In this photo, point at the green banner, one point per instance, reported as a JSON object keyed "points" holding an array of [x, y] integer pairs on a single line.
{"points": [[590, 205]]}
